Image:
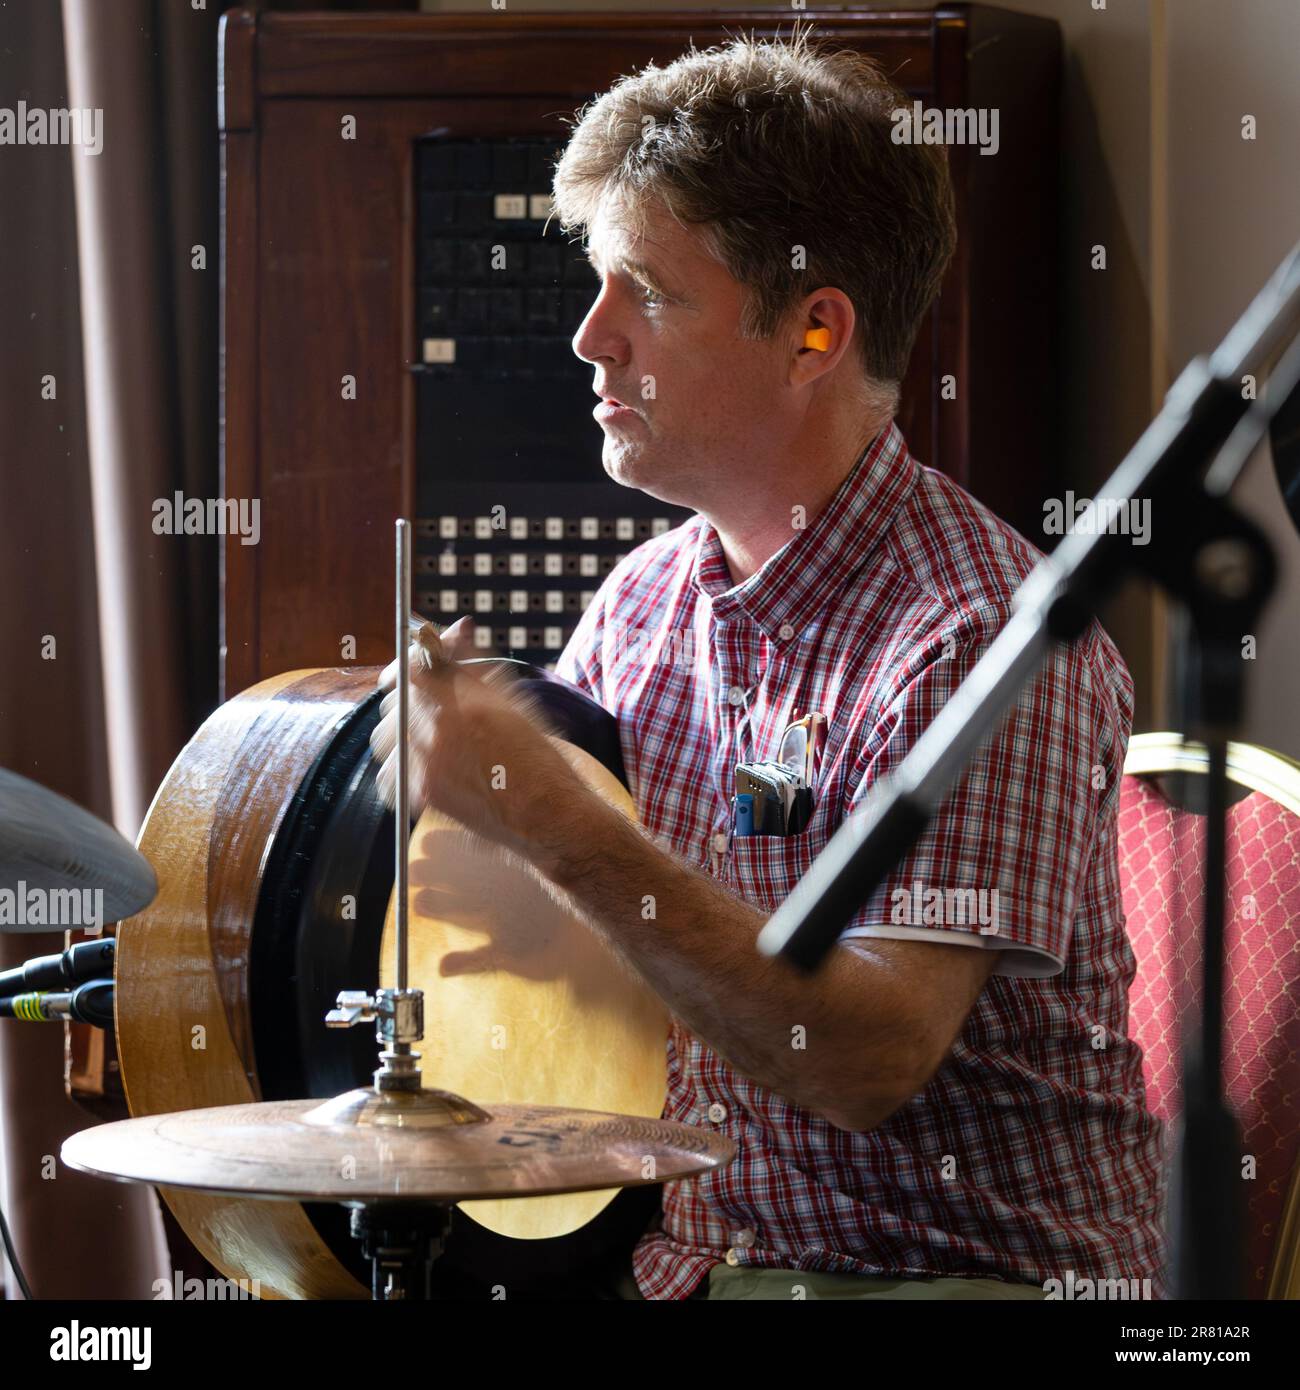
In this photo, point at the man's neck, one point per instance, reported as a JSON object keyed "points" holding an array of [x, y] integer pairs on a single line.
{"points": [[767, 523], [746, 555]]}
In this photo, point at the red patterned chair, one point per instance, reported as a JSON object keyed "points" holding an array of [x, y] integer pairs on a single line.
{"points": [[1162, 873]]}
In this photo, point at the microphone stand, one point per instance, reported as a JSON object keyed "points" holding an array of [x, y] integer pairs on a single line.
{"points": [[1222, 568]]}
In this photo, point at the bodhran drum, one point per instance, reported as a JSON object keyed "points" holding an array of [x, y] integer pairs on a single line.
{"points": [[274, 857]]}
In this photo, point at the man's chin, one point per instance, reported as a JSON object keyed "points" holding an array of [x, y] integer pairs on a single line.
{"points": [[634, 469], [626, 470]]}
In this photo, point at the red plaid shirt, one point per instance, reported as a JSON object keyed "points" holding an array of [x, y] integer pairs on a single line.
{"points": [[1031, 1153]]}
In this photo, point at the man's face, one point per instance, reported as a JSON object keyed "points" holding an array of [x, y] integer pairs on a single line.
{"points": [[664, 339]]}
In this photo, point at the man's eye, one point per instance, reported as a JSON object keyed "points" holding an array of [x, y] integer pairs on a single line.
{"points": [[652, 299]]}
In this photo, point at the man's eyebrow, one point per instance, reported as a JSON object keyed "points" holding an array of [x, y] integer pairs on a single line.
{"points": [[637, 269]]}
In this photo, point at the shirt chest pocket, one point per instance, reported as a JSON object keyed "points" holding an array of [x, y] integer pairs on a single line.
{"points": [[764, 868]]}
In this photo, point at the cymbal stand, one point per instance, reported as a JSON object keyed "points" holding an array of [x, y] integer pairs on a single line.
{"points": [[400, 1239]]}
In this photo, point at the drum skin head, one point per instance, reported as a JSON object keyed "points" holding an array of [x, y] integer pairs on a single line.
{"points": [[524, 1003]]}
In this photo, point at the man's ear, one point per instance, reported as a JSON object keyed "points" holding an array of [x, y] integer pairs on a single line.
{"points": [[824, 325]]}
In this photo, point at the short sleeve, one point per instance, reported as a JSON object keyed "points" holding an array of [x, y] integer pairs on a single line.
{"points": [[1003, 862]]}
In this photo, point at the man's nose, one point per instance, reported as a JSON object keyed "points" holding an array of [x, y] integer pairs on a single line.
{"points": [[598, 338]]}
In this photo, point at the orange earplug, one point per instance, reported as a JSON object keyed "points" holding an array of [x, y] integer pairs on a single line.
{"points": [[819, 338]]}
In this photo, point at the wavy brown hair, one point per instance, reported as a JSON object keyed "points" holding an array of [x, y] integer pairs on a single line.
{"points": [[768, 147]]}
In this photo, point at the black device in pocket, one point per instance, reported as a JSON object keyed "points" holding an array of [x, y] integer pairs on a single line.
{"points": [[782, 799]]}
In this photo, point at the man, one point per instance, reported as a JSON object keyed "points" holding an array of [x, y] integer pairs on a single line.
{"points": [[951, 1107]]}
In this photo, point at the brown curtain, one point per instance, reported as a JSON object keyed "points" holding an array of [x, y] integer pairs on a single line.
{"points": [[109, 296], [148, 254], [100, 298]]}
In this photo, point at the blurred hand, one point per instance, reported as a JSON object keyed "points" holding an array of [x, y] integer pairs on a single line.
{"points": [[480, 753], [457, 642]]}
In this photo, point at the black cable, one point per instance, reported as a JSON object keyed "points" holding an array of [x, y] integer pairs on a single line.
{"points": [[90, 1002], [67, 967], [87, 960], [12, 1255]]}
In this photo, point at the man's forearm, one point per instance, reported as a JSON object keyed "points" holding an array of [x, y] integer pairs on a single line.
{"points": [[692, 941]]}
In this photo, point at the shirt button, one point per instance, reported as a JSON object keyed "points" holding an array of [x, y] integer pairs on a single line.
{"points": [[786, 632], [733, 1257], [720, 842], [736, 695], [717, 1113], [743, 1239]]}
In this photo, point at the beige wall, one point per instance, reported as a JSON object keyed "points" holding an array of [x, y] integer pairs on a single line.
{"points": [[1207, 216], [1106, 178], [1234, 210]]}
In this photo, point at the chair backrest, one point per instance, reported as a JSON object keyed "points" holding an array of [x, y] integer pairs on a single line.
{"points": [[1162, 875]]}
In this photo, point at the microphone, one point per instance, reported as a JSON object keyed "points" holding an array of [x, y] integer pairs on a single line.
{"points": [[87, 960], [91, 1002]]}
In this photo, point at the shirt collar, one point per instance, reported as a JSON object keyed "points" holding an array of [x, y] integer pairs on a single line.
{"points": [[789, 589]]}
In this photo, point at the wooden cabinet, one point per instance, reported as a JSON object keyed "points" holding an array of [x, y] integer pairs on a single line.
{"points": [[321, 282]]}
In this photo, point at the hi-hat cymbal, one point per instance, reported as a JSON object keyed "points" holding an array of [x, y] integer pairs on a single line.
{"points": [[53, 853], [410, 1147]]}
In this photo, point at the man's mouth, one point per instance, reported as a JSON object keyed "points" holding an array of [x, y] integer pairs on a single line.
{"points": [[611, 410]]}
